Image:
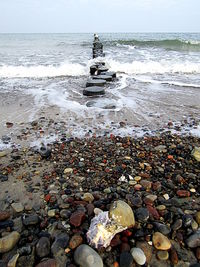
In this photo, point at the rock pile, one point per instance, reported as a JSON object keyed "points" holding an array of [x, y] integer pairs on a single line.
{"points": [[100, 74]]}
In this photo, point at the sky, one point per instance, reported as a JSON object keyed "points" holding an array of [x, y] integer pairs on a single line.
{"points": [[74, 16]]}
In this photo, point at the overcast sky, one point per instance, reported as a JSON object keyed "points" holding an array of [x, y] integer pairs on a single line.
{"points": [[99, 16]]}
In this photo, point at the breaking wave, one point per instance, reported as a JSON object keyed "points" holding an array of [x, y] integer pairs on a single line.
{"points": [[40, 71], [138, 67]]}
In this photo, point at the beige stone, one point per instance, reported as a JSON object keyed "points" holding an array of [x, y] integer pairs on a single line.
{"points": [[8, 242], [122, 214], [160, 241]]}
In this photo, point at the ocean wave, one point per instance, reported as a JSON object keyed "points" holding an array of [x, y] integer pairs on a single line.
{"points": [[138, 67], [41, 71], [176, 83], [170, 44]]}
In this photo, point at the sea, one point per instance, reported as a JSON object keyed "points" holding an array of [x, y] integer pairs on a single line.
{"points": [[158, 81]]}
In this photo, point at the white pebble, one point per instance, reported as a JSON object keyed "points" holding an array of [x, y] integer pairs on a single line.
{"points": [[138, 256]]}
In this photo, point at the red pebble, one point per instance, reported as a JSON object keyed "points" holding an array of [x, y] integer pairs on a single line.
{"points": [[115, 241], [153, 212], [183, 193], [47, 198], [127, 233], [77, 218]]}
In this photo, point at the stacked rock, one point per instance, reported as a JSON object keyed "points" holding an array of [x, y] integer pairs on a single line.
{"points": [[100, 74]]}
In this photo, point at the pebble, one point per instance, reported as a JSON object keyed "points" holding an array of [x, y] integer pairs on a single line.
{"points": [[68, 170], [194, 225], [43, 247], [166, 196], [48, 263], [142, 214], [13, 261], [31, 220], [177, 225], [75, 241], [197, 217], [87, 257], [9, 241], [52, 213], [4, 215], [88, 197], [194, 240], [161, 242], [138, 256], [196, 153], [163, 255], [17, 207], [162, 228], [77, 218], [147, 249], [2, 154], [122, 214], [126, 259]]}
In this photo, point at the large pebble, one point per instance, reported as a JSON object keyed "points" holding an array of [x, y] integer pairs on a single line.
{"points": [[8, 242], [77, 218], [126, 259], [4, 215], [197, 217], [122, 214], [48, 263], [161, 242], [13, 261], [17, 207], [138, 255], [85, 256], [31, 220], [43, 247], [196, 153], [194, 240]]}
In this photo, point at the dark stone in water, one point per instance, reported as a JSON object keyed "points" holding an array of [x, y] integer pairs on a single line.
{"points": [[109, 73], [93, 91], [103, 77], [93, 69], [101, 69], [94, 82]]}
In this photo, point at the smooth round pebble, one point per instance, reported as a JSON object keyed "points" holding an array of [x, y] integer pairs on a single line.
{"points": [[138, 255]]}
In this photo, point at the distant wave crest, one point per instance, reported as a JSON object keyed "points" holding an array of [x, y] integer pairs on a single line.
{"points": [[65, 69], [170, 44]]}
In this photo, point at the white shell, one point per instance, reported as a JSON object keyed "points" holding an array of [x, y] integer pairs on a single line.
{"points": [[102, 230]]}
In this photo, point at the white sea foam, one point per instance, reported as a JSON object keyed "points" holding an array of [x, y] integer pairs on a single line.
{"points": [[138, 67], [182, 84], [64, 69], [196, 132]]}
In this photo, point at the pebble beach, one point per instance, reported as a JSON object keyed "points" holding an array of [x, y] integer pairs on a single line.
{"points": [[111, 189]]}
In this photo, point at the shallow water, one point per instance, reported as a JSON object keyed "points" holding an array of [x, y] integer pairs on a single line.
{"points": [[44, 75]]}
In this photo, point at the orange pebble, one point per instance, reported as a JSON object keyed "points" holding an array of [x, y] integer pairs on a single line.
{"points": [[115, 264], [170, 157]]}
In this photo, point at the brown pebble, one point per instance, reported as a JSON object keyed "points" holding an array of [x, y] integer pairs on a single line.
{"points": [[173, 256], [75, 241], [77, 218], [4, 215], [183, 193], [198, 253], [125, 247], [48, 263]]}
